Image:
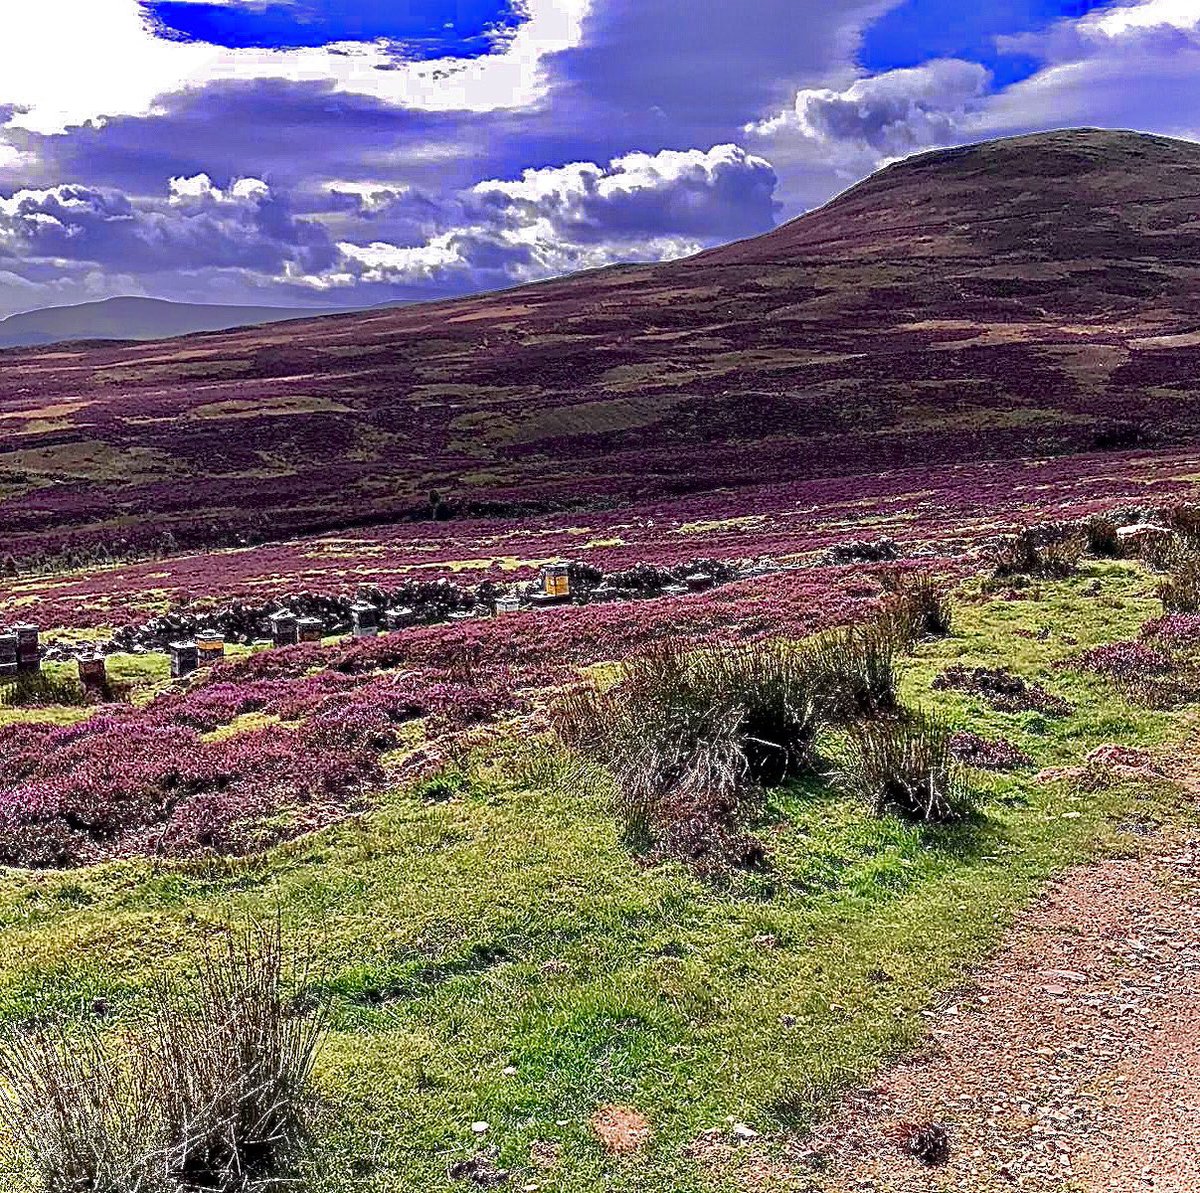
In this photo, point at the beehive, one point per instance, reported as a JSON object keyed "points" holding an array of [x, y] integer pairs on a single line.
{"points": [[93, 672], [556, 581], [29, 653], [8, 652], [508, 603], [185, 658], [210, 646], [284, 628], [365, 620], [310, 629]]}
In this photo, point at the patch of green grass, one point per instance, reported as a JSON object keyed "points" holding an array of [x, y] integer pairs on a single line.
{"points": [[490, 952]]}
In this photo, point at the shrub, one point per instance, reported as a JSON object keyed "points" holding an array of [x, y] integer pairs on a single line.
{"points": [[232, 1066], [1162, 670], [1050, 551], [1002, 690], [688, 735], [919, 607], [39, 688], [1179, 592], [75, 1111], [880, 550], [905, 765], [1102, 539], [1184, 518], [987, 753], [852, 672]]}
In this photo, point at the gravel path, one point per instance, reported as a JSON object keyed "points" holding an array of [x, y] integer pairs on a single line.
{"points": [[1071, 1064]]}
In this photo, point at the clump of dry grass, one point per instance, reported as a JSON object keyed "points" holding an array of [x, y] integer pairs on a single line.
{"points": [[209, 1096], [906, 765], [232, 1067], [74, 1108], [1052, 550]]}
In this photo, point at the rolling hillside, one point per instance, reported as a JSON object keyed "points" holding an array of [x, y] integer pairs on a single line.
{"points": [[1037, 296]]}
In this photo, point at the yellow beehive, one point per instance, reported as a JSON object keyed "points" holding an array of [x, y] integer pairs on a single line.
{"points": [[556, 581]]}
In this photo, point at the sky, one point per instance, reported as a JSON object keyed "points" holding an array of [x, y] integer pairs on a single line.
{"points": [[334, 153]]}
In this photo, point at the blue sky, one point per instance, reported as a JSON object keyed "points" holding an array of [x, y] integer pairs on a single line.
{"points": [[332, 152], [421, 28]]}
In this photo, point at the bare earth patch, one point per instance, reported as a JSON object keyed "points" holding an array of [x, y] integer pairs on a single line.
{"points": [[621, 1129], [1072, 1062]]}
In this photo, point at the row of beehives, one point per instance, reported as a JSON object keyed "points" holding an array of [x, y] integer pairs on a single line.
{"points": [[367, 621], [20, 650]]}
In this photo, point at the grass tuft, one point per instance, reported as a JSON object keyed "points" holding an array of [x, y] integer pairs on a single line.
{"points": [[907, 766]]}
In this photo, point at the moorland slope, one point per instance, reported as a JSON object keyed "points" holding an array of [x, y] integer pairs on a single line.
{"points": [[1029, 297]]}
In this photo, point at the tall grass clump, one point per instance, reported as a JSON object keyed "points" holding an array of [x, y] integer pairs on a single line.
{"points": [[74, 1108], [689, 735], [1103, 542], [233, 1067], [852, 672], [210, 1095], [917, 607], [905, 765], [41, 689], [1050, 551], [1179, 590]]}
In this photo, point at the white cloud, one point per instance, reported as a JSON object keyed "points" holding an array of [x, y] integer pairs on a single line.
{"points": [[646, 207], [1113, 22], [66, 62], [884, 115]]}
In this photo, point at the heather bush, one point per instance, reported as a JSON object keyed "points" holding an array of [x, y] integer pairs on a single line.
{"points": [[985, 753], [1002, 690], [905, 765], [1049, 551], [1161, 670]]}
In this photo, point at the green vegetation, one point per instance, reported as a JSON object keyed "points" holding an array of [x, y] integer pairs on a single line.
{"points": [[489, 951]]}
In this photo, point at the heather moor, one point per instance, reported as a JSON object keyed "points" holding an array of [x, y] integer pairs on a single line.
{"points": [[676, 675]]}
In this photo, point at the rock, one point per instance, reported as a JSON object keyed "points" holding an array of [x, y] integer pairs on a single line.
{"points": [[742, 1132]]}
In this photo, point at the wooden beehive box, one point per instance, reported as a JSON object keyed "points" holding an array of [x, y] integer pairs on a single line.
{"points": [[556, 581], [185, 658], [8, 652], [29, 652], [210, 647], [284, 628]]}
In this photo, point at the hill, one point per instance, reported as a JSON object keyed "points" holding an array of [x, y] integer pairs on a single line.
{"points": [[1029, 297], [133, 318]]}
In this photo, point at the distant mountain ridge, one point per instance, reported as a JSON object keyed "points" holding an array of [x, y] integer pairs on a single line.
{"points": [[135, 318]]}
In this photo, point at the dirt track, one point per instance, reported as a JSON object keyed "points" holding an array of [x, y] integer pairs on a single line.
{"points": [[1072, 1062]]}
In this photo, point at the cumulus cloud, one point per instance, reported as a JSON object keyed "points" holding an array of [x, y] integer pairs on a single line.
{"points": [[401, 241], [196, 226], [890, 113], [644, 207], [1132, 66]]}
